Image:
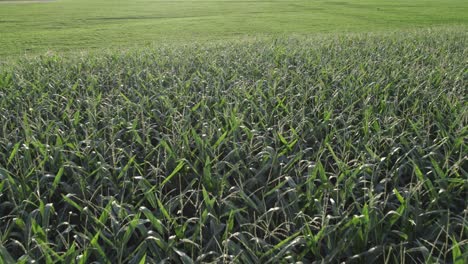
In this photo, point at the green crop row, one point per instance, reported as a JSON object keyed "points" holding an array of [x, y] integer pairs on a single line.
{"points": [[327, 149]]}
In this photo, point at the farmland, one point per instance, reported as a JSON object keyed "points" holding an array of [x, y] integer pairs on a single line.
{"points": [[233, 132], [71, 25]]}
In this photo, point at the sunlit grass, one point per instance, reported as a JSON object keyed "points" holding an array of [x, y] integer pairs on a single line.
{"points": [[73, 25]]}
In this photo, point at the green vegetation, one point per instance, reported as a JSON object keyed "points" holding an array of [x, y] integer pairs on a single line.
{"points": [[233, 131], [70, 25], [349, 148]]}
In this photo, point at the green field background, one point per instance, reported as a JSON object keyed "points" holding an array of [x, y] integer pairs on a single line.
{"points": [[29, 28]]}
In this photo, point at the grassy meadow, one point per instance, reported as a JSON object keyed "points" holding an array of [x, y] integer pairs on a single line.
{"points": [[233, 131], [71, 25]]}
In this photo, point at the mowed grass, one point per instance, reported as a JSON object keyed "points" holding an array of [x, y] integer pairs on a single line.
{"points": [[71, 25], [346, 148]]}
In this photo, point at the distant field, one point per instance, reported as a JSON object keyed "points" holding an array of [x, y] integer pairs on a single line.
{"points": [[93, 24]]}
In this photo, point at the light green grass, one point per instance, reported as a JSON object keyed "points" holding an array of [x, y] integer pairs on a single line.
{"points": [[95, 24], [336, 149]]}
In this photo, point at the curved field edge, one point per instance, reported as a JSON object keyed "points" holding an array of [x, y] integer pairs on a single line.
{"points": [[345, 148]]}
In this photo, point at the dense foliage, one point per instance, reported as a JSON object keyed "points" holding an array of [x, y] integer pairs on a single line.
{"points": [[349, 148]]}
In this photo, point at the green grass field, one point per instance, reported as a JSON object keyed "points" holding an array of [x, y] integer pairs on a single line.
{"points": [[95, 24], [233, 131]]}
